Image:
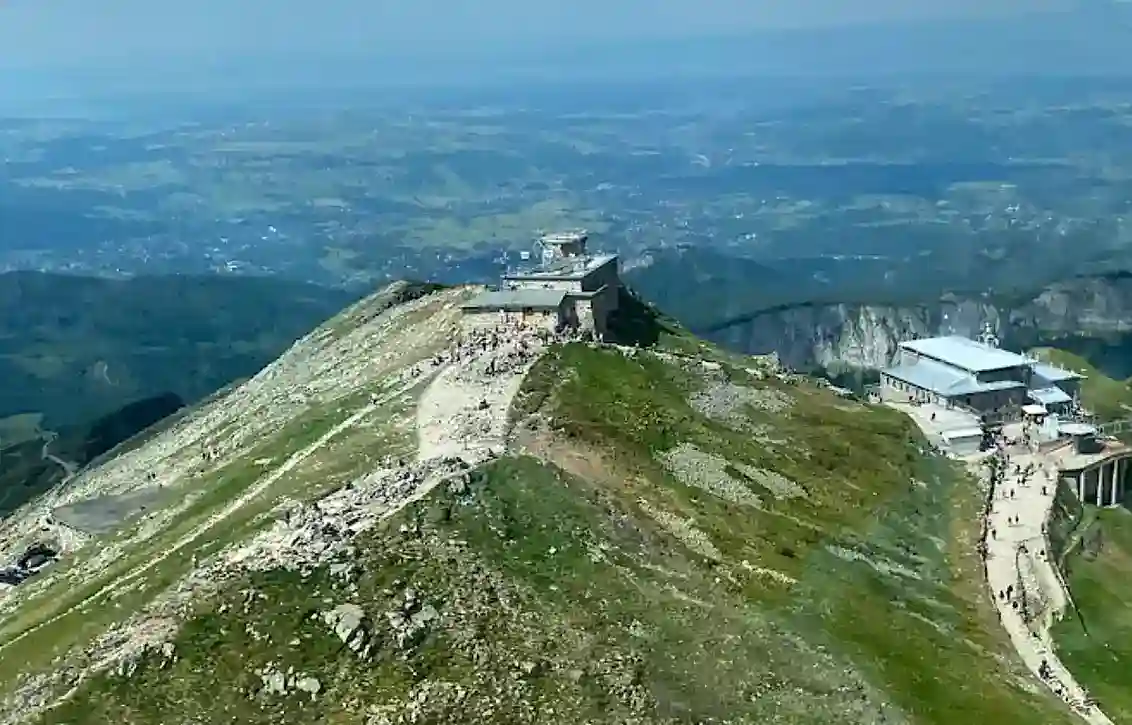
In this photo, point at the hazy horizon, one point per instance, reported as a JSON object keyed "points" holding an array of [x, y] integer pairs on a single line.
{"points": [[71, 48], [35, 33]]}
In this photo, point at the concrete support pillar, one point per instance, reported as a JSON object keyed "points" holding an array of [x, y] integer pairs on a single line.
{"points": [[1100, 484], [1117, 494], [1079, 478], [1111, 497]]}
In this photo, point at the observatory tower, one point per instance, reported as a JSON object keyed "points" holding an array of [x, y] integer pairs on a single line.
{"points": [[589, 282]]}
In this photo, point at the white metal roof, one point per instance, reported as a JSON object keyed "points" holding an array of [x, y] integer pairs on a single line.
{"points": [[1077, 429], [570, 237], [1049, 396], [945, 379], [963, 433], [565, 268], [1055, 374], [967, 354]]}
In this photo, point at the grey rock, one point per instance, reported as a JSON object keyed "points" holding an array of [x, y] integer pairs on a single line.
{"points": [[346, 620], [309, 685], [274, 682]]}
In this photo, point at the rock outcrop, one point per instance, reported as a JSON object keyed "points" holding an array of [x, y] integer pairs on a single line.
{"points": [[809, 337]]}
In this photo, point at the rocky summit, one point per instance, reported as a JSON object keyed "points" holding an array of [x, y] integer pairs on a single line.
{"points": [[400, 521]]}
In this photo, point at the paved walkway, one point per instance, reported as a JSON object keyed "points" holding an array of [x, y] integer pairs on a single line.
{"points": [[1026, 587], [1028, 591]]}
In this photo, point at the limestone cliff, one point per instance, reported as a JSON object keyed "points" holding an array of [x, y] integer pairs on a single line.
{"points": [[1079, 310]]}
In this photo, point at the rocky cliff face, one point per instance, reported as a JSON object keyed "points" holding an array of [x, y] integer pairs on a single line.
{"points": [[1081, 310]]}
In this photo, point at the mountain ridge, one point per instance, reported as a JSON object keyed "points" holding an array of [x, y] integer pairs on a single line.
{"points": [[401, 522]]}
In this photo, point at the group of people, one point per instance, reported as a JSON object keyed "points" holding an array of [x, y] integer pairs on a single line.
{"points": [[1000, 464]]}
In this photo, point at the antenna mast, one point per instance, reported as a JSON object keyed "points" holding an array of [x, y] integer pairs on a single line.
{"points": [[987, 336]]}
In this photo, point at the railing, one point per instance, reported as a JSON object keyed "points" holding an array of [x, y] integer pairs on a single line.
{"points": [[1114, 427]]}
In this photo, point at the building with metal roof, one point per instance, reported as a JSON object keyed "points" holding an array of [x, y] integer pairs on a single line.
{"points": [[583, 287], [530, 308], [957, 371], [966, 354], [1054, 375], [1050, 397]]}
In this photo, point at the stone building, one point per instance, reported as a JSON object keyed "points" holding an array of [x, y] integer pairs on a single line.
{"points": [[577, 288], [545, 308]]}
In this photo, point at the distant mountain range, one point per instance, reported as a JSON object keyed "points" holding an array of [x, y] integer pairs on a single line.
{"points": [[75, 348]]}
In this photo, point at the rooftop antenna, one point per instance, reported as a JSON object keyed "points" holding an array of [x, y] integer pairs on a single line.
{"points": [[987, 336]]}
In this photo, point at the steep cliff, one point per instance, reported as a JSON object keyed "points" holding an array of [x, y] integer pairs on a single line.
{"points": [[1091, 315]]}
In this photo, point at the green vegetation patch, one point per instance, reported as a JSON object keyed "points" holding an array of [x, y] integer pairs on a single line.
{"points": [[1095, 642], [81, 347], [615, 590], [1109, 399], [637, 407], [530, 595], [16, 429], [68, 616]]}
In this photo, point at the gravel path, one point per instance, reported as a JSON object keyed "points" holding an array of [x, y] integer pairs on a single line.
{"points": [[1027, 590], [463, 412]]}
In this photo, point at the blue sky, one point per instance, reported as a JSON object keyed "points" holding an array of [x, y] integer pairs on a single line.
{"points": [[43, 33]]}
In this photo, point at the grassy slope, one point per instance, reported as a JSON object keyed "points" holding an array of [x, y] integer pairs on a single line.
{"points": [[563, 596], [1096, 641], [61, 612], [1097, 645], [1109, 399]]}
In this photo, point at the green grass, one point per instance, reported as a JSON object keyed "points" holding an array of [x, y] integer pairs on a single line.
{"points": [[72, 625], [562, 599], [1097, 644], [858, 473], [638, 407], [1109, 399]]}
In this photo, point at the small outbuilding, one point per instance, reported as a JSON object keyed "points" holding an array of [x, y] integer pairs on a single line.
{"points": [[964, 441]]}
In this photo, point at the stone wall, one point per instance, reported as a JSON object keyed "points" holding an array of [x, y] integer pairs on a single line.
{"points": [[562, 284], [547, 319], [608, 276], [585, 313], [1065, 517]]}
